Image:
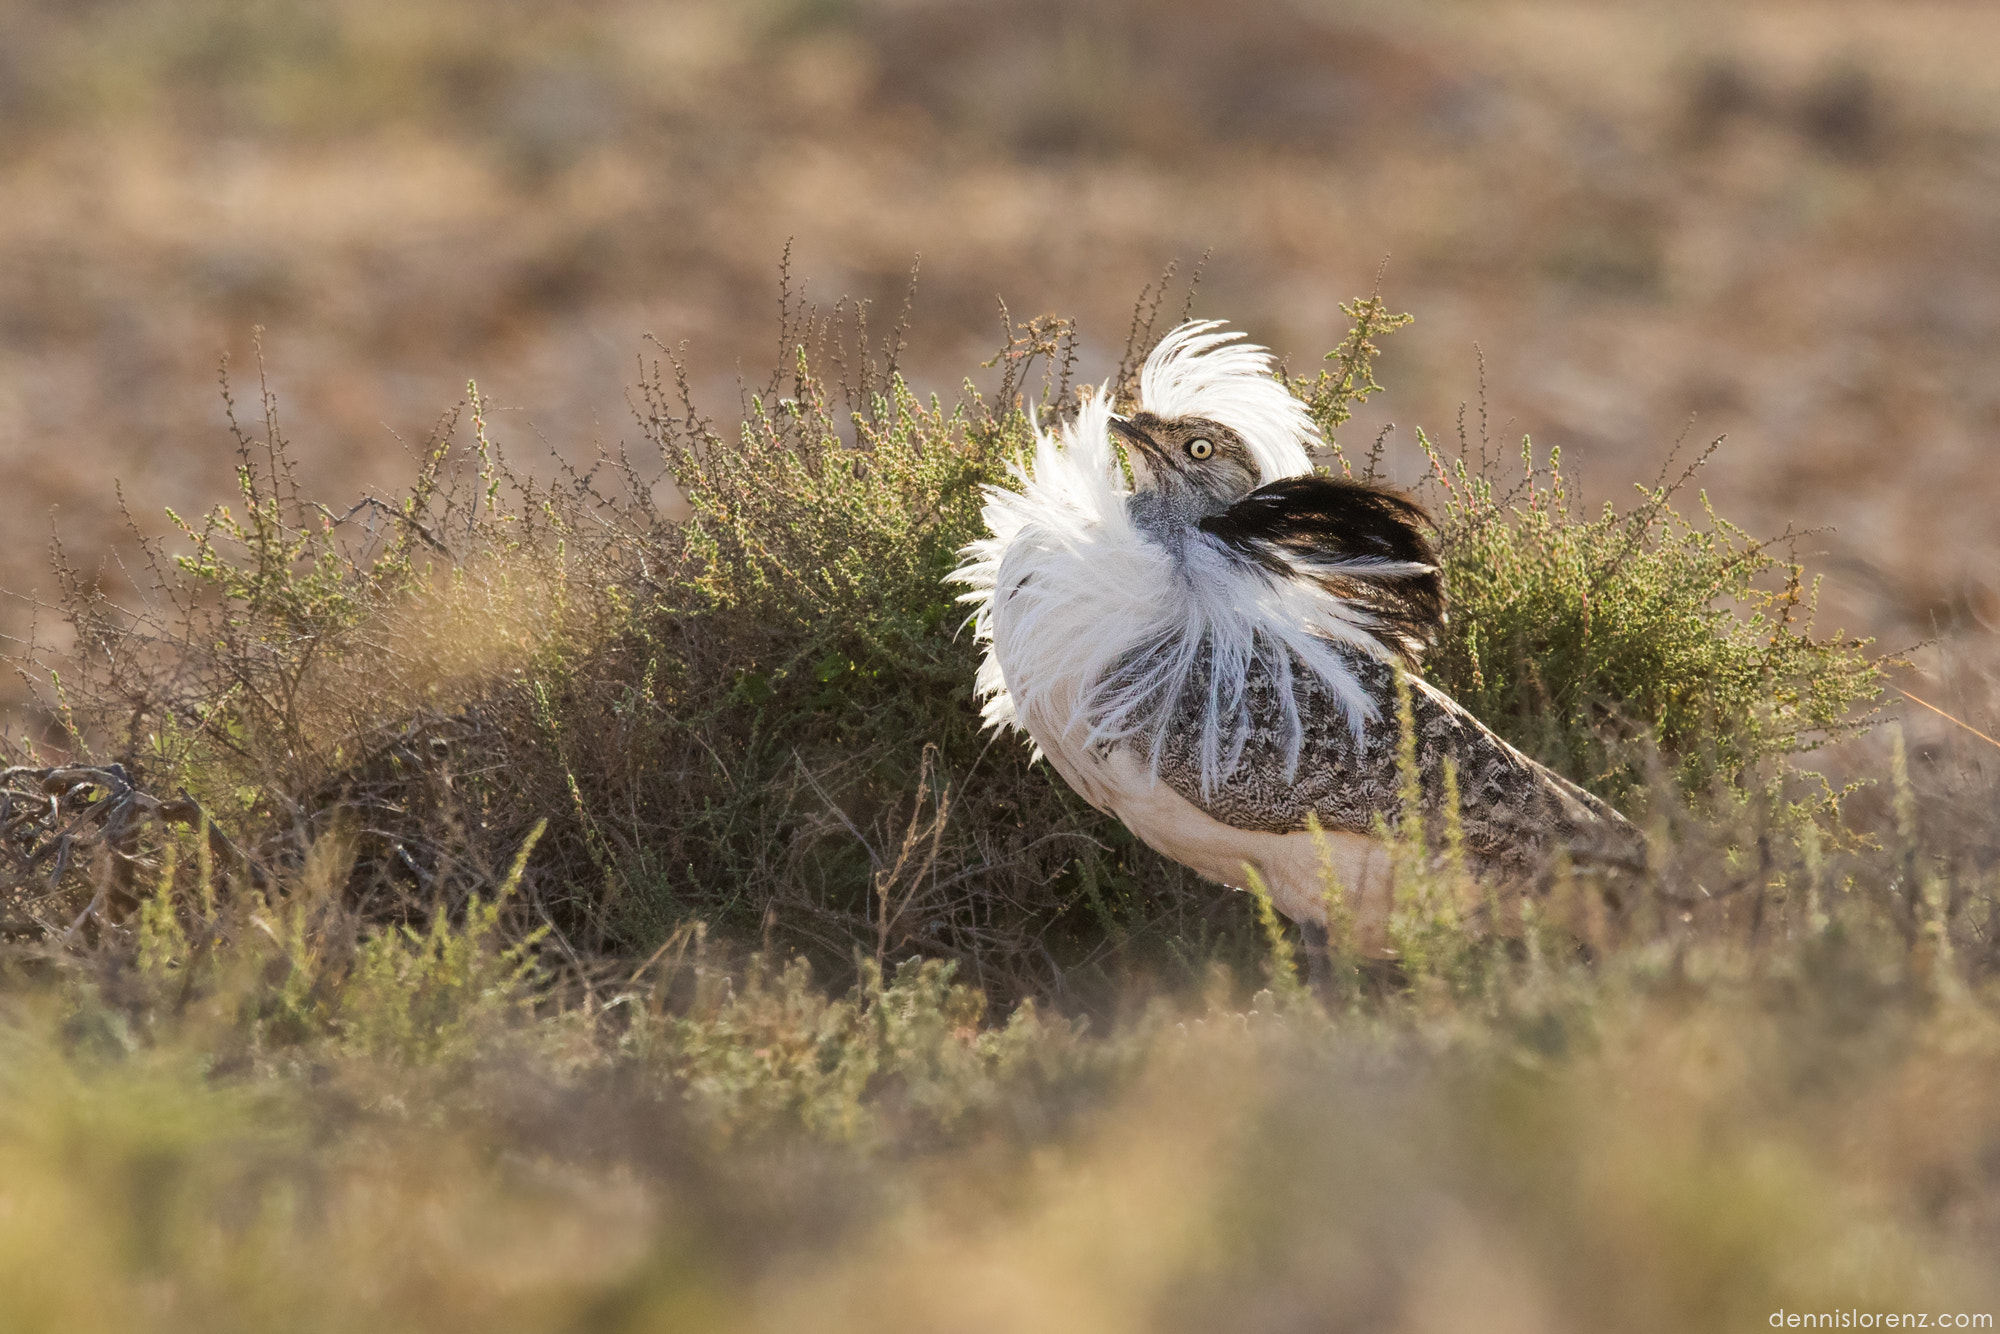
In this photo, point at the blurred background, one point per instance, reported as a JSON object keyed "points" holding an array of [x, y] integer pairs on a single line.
{"points": [[1781, 219]]}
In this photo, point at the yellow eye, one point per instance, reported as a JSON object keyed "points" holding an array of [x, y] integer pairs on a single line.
{"points": [[1200, 447]]}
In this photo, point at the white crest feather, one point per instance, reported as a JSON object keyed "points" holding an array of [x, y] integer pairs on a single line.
{"points": [[1199, 370], [1096, 635]]}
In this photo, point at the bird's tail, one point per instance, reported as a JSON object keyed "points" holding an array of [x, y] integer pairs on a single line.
{"points": [[1594, 833]]}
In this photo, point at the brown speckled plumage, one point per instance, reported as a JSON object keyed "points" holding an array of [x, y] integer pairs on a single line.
{"points": [[1515, 813]]}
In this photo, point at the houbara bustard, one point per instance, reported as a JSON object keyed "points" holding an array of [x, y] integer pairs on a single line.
{"points": [[1210, 651]]}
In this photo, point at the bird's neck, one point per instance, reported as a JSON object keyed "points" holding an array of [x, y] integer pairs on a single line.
{"points": [[1171, 516]]}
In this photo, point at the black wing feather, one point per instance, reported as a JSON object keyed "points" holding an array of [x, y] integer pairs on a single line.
{"points": [[1329, 529]]}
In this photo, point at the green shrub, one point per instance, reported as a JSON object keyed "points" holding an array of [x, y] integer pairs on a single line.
{"points": [[1588, 641], [1571, 635], [760, 718]]}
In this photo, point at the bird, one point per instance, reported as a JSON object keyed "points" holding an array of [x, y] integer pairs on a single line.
{"points": [[1205, 638]]}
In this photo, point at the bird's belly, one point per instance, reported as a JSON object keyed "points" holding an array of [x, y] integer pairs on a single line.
{"points": [[1294, 866]]}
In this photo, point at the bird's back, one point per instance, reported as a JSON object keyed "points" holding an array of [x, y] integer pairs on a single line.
{"points": [[1515, 813]]}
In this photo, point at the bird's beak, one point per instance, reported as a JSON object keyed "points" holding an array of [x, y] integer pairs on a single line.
{"points": [[1143, 455], [1134, 435]]}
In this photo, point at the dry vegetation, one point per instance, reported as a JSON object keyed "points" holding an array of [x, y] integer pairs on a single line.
{"points": [[540, 896], [570, 916]]}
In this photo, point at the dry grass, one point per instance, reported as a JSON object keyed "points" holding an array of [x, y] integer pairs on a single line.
{"points": [[309, 1127]]}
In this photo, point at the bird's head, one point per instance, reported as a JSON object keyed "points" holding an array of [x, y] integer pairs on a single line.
{"points": [[1211, 425], [1189, 462]]}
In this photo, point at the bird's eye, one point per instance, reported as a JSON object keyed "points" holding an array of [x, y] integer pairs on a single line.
{"points": [[1200, 447]]}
